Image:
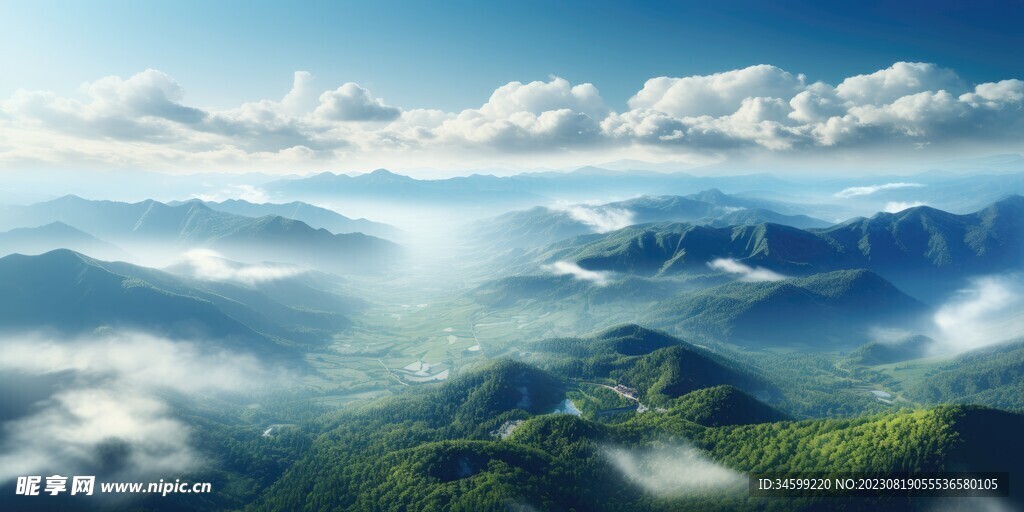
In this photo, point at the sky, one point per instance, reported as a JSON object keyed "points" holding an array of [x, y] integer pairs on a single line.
{"points": [[310, 86]]}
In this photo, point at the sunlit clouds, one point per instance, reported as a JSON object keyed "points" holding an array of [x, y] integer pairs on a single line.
{"points": [[146, 121]]}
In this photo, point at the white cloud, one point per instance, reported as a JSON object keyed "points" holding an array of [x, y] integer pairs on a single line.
{"points": [[899, 80], [211, 266], [746, 272], [871, 189], [143, 121], [106, 412], [717, 94], [601, 219], [350, 102], [673, 470], [563, 268], [248, 193], [899, 206], [986, 312]]}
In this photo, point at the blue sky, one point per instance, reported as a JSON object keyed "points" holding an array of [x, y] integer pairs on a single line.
{"points": [[451, 56]]}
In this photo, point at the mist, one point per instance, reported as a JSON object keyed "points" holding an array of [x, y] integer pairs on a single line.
{"points": [[673, 469], [600, 219], [745, 272], [563, 268], [871, 189], [209, 265], [987, 311], [108, 409]]}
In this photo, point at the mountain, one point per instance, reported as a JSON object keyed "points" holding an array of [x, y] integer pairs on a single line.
{"points": [[750, 216], [659, 366], [314, 216], [150, 226], [489, 191], [822, 310], [72, 293], [526, 228], [887, 352], [541, 225], [922, 250], [57, 235], [724, 405], [508, 291], [431, 450], [384, 185], [992, 376], [255, 306]]}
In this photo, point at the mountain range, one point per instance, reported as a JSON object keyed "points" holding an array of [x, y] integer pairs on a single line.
{"points": [[73, 294], [542, 225], [922, 250], [312, 215], [150, 226], [824, 311]]}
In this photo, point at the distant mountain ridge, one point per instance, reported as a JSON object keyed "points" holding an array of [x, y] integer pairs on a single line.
{"points": [[541, 225], [822, 310], [315, 216], [72, 293], [57, 235], [194, 224], [921, 249]]}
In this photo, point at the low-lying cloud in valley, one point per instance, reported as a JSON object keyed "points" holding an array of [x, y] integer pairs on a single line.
{"points": [[745, 272], [601, 219], [673, 469], [871, 189], [988, 311], [562, 268], [212, 266], [106, 408]]}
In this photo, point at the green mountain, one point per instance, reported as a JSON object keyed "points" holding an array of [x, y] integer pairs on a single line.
{"points": [[418, 452], [70, 293], [658, 366], [991, 376], [57, 235], [540, 226], [314, 216], [254, 306], [821, 311], [752, 216], [151, 224], [510, 291], [922, 250], [887, 352], [724, 405]]}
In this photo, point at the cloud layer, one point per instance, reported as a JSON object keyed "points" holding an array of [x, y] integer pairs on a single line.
{"points": [[673, 470], [568, 268], [110, 413], [210, 265], [745, 272], [145, 121]]}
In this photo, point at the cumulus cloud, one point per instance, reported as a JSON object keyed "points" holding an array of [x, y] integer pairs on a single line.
{"points": [[350, 102], [987, 311], [144, 121], [569, 268], [899, 206], [105, 411], [745, 272], [673, 470], [211, 266], [871, 189], [717, 94]]}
